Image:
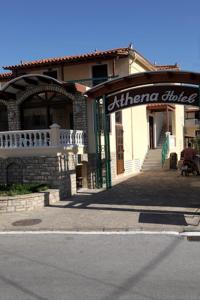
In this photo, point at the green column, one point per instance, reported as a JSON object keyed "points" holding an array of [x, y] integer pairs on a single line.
{"points": [[106, 145], [99, 179]]}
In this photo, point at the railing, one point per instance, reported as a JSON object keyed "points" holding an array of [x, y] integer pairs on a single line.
{"points": [[54, 137], [72, 137], [192, 122], [92, 81], [25, 139], [165, 149]]}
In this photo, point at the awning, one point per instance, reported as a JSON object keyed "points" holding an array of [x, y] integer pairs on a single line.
{"points": [[158, 107]]}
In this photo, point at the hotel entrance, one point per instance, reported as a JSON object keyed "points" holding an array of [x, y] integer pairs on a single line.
{"points": [[162, 95]]}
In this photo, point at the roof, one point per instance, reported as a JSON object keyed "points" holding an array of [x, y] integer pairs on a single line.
{"points": [[6, 76], [192, 109], [112, 53], [168, 67], [22, 83], [160, 107], [71, 59]]}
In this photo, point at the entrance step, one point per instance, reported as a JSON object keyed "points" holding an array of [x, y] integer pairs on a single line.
{"points": [[152, 160]]}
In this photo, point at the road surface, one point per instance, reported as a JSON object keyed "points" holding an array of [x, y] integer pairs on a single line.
{"points": [[98, 267]]}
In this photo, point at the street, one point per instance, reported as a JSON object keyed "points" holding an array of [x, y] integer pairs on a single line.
{"points": [[161, 200], [100, 267]]}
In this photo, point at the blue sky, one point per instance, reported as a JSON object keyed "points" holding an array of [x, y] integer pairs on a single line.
{"points": [[165, 31]]}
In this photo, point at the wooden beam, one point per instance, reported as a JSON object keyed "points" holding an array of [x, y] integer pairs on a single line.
{"points": [[44, 79], [18, 86], [31, 80], [7, 95]]}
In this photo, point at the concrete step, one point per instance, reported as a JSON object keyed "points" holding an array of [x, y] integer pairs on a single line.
{"points": [[149, 163], [151, 169], [152, 160], [155, 157]]}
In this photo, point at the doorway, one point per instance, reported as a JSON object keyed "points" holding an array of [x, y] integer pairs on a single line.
{"points": [[151, 132], [119, 142]]}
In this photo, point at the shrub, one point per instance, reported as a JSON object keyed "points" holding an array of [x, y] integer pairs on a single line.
{"points": [[21, 189]]}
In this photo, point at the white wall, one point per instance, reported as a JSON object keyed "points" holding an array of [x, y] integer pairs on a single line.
{"points": [[179, 132], [159, 119]]}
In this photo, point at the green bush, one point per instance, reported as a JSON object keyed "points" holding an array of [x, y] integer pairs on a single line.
{"points": [[21, 189]]}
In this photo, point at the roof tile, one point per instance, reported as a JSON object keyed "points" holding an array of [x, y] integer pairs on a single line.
{"points": [[81, 57]]}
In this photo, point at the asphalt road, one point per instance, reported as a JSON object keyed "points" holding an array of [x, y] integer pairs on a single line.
{"points": [[98, 267]]}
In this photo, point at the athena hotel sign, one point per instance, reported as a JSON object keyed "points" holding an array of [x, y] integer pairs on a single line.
{"points": [[165, 94]]}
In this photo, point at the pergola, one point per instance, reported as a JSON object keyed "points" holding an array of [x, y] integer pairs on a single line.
{"points": [[138, 89]]}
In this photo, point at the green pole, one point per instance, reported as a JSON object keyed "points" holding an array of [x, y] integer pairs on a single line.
{"points": [[97, 144], [198, 139], [107, 145]]}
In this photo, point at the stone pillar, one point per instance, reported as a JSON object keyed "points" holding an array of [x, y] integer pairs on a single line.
{"points": [[13, 116], [55, 135], [80, 114]]}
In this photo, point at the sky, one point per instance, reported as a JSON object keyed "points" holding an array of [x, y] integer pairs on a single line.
{"points": [[163, 31]]}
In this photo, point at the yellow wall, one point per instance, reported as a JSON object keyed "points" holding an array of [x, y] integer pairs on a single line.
{"points": [[179, 128]]}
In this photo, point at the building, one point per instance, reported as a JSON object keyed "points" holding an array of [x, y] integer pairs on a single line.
{"points": [[47, 127], [192, 123]]}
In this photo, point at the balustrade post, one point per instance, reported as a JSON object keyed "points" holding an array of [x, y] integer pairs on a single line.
{"points": [[55, 135]]}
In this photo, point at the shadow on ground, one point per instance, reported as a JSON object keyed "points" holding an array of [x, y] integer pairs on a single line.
{"points": [[159, 197]]}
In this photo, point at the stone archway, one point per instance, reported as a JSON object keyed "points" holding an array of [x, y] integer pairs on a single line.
{"points": [[46, 106]]}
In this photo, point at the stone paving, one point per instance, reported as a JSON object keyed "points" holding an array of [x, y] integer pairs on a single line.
{"points": [[159, 200]]}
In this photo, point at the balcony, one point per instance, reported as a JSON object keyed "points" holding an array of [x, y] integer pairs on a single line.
{"points": [[41, 142], [192, 122]]}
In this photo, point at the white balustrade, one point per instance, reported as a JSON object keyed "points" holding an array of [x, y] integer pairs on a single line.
{"points": [[40, 138], [72, 137]]}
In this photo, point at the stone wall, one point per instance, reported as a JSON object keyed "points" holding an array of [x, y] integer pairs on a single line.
{"points": [[28, 202], [58, 172], [80, 114]]}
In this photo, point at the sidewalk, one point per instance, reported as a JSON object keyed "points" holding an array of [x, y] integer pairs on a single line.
{"points": [[161, 201]]}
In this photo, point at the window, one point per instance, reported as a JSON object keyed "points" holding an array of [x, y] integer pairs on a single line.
{"points": [[193, 115], [35, 118], [41, 110], [51, 73], [118, 117], [197, 133], [99, 74], [197, 115]]}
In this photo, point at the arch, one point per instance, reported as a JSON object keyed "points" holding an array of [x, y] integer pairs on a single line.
{"points": [[29, 79], [42, 107], [145, 78], [14, 171], [44, 88], [165, 87]]}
